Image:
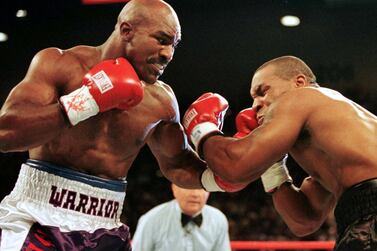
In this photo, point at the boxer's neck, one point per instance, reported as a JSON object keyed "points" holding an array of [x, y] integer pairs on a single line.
{"points": [[111, 48]]}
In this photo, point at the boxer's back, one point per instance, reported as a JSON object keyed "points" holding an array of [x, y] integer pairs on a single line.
{"points": [[338, 143], [106, 144]]}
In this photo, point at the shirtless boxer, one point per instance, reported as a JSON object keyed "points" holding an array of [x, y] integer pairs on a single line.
{"points": [[83, 114], [331, 137]]}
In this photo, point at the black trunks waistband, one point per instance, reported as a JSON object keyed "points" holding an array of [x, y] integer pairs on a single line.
{"points": [[113, 185], [356, 202]]}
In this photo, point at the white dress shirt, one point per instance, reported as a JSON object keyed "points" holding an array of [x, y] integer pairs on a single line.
{"points": [[160, 229]]}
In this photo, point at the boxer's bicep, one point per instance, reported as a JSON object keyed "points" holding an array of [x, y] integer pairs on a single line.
{"points": [[167, 140], [321, 200], [27, 95], [303, 209], [31, 114], [39, 86]]}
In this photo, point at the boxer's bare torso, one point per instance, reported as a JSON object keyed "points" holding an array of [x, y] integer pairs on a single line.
{"points": [[332, 138], [106, 144], [337, 145], [55, 118]]}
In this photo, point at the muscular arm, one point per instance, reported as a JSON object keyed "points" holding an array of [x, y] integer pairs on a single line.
{"points": [[177, 161], [244, 160], [168, 143], [31, 114], [303, 209]]}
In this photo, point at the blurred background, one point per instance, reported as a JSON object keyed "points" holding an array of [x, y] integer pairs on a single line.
{"points": [[223, 43]]}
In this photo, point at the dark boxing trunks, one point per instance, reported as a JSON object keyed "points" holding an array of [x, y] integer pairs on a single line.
{"points": [[356, 218]]}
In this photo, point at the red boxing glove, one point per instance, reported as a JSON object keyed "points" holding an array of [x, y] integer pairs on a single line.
{"points": [[246, 122], [213, 183], [204, 116], [108, 85]]}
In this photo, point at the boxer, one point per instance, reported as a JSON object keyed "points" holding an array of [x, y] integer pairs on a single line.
{"points": [[331, 137], [83, 114]]}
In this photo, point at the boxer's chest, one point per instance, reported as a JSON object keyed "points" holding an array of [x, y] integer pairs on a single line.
{"points": [[121, 130], [130, 127]]}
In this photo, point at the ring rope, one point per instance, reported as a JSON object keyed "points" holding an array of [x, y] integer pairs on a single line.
{"points": [[278, 245]]}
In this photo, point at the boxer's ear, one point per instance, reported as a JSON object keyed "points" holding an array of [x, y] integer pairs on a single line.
{"points": [[126, 31], [301, 80]]}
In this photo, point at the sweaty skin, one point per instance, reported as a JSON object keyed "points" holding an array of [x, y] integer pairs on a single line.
{"points": [[331, 137], [105, 145]]}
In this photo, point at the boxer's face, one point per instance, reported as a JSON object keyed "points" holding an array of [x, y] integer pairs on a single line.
{"points": [[266, 87], [152, 47], [191, 201]]}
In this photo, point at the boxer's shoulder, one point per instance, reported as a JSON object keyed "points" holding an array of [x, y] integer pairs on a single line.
{"points": [[299, 100], [50, 66], [65, 67], [171, 101], [312, 94], [58, 60], [87, 56], [78, 56], [162, 94], [298, 94], [159, 87]]}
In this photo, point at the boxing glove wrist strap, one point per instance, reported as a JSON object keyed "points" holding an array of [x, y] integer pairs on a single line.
{"points": [[209, 183], [79, 105], [200, 131], [275, 176]]}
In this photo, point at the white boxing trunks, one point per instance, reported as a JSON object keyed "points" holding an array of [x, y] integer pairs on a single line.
{"points": [[57, 208]]}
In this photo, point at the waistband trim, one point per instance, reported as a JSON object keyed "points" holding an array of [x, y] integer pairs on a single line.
{"points": [[113, 185]]}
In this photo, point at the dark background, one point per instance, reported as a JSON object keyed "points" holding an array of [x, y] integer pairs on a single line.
{"points": [[223, 43]]}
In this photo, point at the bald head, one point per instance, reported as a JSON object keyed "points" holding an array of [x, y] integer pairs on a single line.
{"points": [[286, 67], [146, 11], [146, 34]]}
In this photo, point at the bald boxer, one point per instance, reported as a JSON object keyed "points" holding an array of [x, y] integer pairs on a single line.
{"points": [[331, 137], [83, 114]]}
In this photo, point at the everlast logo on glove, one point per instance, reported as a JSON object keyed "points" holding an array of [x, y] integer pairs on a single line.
{"points": [[102, 81], [204, 116], [83, 203], [189, 117]]}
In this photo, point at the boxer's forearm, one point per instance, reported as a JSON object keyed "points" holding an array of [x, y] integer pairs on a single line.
{"points": [[177, 160], [185, 178], [25, 126], [184, 170], [227, 159], [298, 210]]}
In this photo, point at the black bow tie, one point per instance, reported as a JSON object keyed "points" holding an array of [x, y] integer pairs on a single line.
{"points": [[186, 219]]}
